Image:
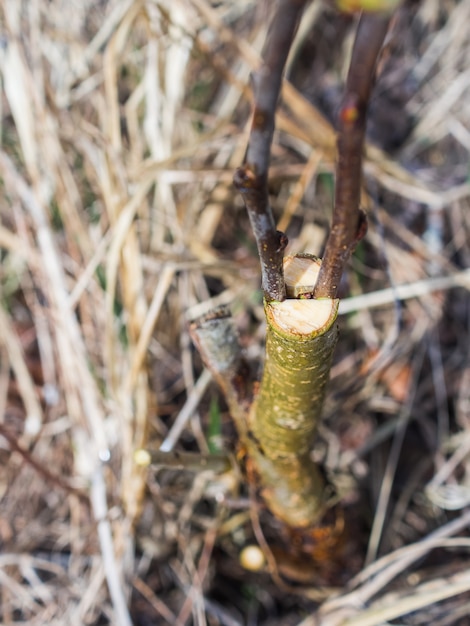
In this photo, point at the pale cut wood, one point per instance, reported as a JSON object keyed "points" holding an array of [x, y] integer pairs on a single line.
{"points": [[300, 314]]}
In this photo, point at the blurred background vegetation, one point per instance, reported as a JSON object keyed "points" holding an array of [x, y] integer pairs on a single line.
{"points": [[122, 122]]}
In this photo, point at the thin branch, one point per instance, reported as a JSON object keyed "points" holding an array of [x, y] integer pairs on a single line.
{"points": [[268, 79], [252, 178], [349, 223]]}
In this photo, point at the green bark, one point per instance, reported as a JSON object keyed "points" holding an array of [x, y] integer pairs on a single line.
{"points": [[278, 427], [284, 415]]}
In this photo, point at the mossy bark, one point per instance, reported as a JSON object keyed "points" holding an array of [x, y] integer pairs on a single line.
{"points": [[301, 338]]}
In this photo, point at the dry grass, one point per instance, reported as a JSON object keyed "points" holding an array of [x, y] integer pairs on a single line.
{"points": [[122, 122]]}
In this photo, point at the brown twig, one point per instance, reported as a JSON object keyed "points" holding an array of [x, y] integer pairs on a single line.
{"points": [[349, 223], [252, 178]]}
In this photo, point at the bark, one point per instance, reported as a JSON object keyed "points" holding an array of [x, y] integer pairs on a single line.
{"points": [[277, 428], [301, 337], [251, 179], [349, 222]]}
